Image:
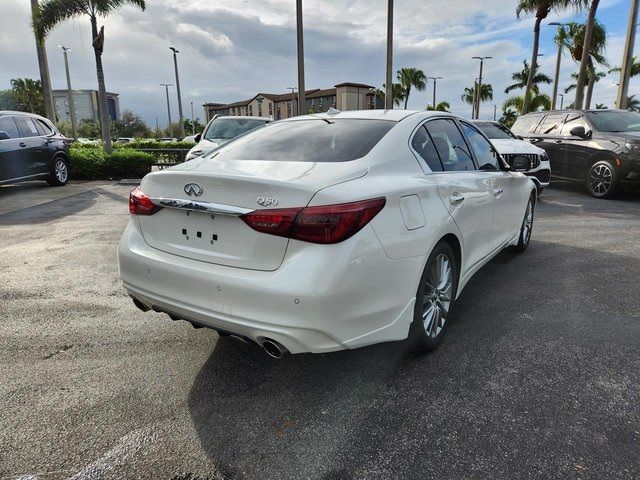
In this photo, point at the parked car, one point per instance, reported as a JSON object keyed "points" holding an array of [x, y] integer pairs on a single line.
{"points": [[87, 141], [510, 146], [189, 138], [220, 130], [326, 232], [32, 148], [168, 139], [598, 147], [122, 140]]}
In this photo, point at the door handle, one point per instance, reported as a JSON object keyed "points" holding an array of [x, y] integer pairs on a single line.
{"points": [[22, 144], [497, 192], [455, 198]]}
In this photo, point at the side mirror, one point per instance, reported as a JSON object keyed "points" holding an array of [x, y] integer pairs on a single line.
{"points": [[198, 137], [521, 163], [4, 135], [519, 137], [578, 131]]}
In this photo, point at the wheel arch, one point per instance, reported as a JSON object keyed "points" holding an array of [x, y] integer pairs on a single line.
{"points": [[455, 245]]}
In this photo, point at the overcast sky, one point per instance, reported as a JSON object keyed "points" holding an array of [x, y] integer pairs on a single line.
{"points": [[232, 49]]}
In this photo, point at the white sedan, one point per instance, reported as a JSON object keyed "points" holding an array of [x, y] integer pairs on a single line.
{"points": [[325, 232]]}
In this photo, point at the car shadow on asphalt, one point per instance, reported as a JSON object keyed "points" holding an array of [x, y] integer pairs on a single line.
{"points": [[49, 211]]}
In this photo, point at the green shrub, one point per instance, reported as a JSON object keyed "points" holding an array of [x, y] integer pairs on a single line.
{"points": [[146, 143], [87, 162], [129, 163]]}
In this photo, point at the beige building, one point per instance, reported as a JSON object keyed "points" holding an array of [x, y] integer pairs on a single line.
{"points": [[344, 96]]}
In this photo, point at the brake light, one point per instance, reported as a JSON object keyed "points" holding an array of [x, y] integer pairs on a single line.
{"points": [[323, 224], [141, 204]]}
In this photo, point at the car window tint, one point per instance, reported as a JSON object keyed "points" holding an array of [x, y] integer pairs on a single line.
{"points": [[423, 145], [27, 127], [43, 128], [450, 145], [550, 124], [483, 150], [226, 128], [316, 140], [525, 124], [573, 121], [8, 124]]}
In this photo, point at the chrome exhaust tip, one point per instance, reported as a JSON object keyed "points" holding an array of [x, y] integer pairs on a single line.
{"points": [[273, 348]]}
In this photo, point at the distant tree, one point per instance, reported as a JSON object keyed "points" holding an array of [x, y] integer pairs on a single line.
{"points": [[598, 76], [633, 103], [635, 68], [508, 117], [522, 76], [411, 78], [537, 101], [6, 100], [131, 124], [88, 129], [601, 106], [398, 93], [197, 126], [27, 95], [440, 107], [486, 94]]}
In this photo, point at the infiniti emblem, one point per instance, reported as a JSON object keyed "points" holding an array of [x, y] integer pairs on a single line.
{"points": [[193, 189]]}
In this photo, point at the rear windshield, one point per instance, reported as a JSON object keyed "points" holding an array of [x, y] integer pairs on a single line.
{"points": [[494, 130], [227, 128], [525, 124], [313, 140]]}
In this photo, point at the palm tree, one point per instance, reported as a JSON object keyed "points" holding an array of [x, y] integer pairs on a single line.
{"points": [[411, 78], [586, 61], [598, 76], [508, 117], [572, 38], [635, 68], [397, 91], [633, 103], [541, 9], [440, 107], [486, 94], [537, 101], [27, 94], [601, 106], [53, 12], [43, 66], [521, 79]]}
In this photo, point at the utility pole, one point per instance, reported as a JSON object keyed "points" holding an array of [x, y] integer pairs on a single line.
{"points": [[627, 57], [293, 100], [495, 111], [157, 127], [72, 106], [479, 89], [556, 78], [193, 122], [301, 99], [435, 80], [561, 100], [166, 88], [43, 65], [175, 65], [388, 97]]}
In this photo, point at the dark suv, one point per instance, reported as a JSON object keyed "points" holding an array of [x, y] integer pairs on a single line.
{"points": [[31, 148], [599, 147]]}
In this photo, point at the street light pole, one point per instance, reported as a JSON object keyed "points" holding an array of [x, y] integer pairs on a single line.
{"points": [[294, 104], [166, 88], [301, 99], [193, 122], [561, 100], [388, 97], [175, 65], [72, 107], [435, 80], [482, 59], [627, 58], [556, 78]]}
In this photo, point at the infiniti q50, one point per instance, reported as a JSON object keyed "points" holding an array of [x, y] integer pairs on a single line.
{"points": [[326, 232]]}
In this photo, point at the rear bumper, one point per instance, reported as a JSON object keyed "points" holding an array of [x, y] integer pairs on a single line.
{"points": [[322, 298]]}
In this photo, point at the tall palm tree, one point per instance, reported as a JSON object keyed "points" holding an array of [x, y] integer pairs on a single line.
{"points": [[541, 9], [573, 38], [633, 103], [536, 101], [508, 117], [28, 95], [486, 94], [397, 91], [411, 78], [440, 107], [53, 12], [585, 61], [522, 77], [43, 66], [635, 68]]}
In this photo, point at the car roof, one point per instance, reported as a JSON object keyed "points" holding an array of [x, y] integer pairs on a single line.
{"points": [[26, 114], [379, 114], [571, 110], [246, 117]]}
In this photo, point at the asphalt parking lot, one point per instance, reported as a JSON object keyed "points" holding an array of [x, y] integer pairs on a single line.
{"points": [[539, 376]]}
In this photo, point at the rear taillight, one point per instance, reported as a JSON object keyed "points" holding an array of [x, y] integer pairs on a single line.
{"points": [[141, 204], [323, 224]]}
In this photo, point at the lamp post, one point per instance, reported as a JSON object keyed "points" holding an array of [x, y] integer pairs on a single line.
{"points": [[435, 81], [300, 42], [372, 92], [166, 88], [479, 89], [193, 122], [556, 77], [561, 100], [627, 57], [388, 97], [175, 66], [72, 106], [294, 105]]}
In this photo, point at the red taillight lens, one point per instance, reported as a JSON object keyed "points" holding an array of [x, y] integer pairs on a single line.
{"points": [[140, 204], [323, 224]]}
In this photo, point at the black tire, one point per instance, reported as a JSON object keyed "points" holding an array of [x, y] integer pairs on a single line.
{"points": [[59, 174], [527, 225], [424, 336], [602, 180]]}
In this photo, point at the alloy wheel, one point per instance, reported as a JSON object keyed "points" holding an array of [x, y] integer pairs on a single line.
{"points": [[600, 179], [437, 296], [527, 224], [61, 171]]}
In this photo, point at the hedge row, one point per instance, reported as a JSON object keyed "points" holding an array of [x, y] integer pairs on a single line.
{"points": [[91, 163]]}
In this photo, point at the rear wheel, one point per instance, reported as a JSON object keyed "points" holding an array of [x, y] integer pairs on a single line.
{"points": [[527, 226], [59, 172], [602, 180], [434, 299]]}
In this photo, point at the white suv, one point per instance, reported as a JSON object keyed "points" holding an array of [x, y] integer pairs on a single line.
{"points": [[222, 129], [510, 146]]}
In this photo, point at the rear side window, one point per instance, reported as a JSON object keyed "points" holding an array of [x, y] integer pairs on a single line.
{"points": [[43, 128], [484, 151], [27, 127], [450, 145], [526, 124], [8, 124], [574, 121], [550, 125], [316, 140], [423, 145]]}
